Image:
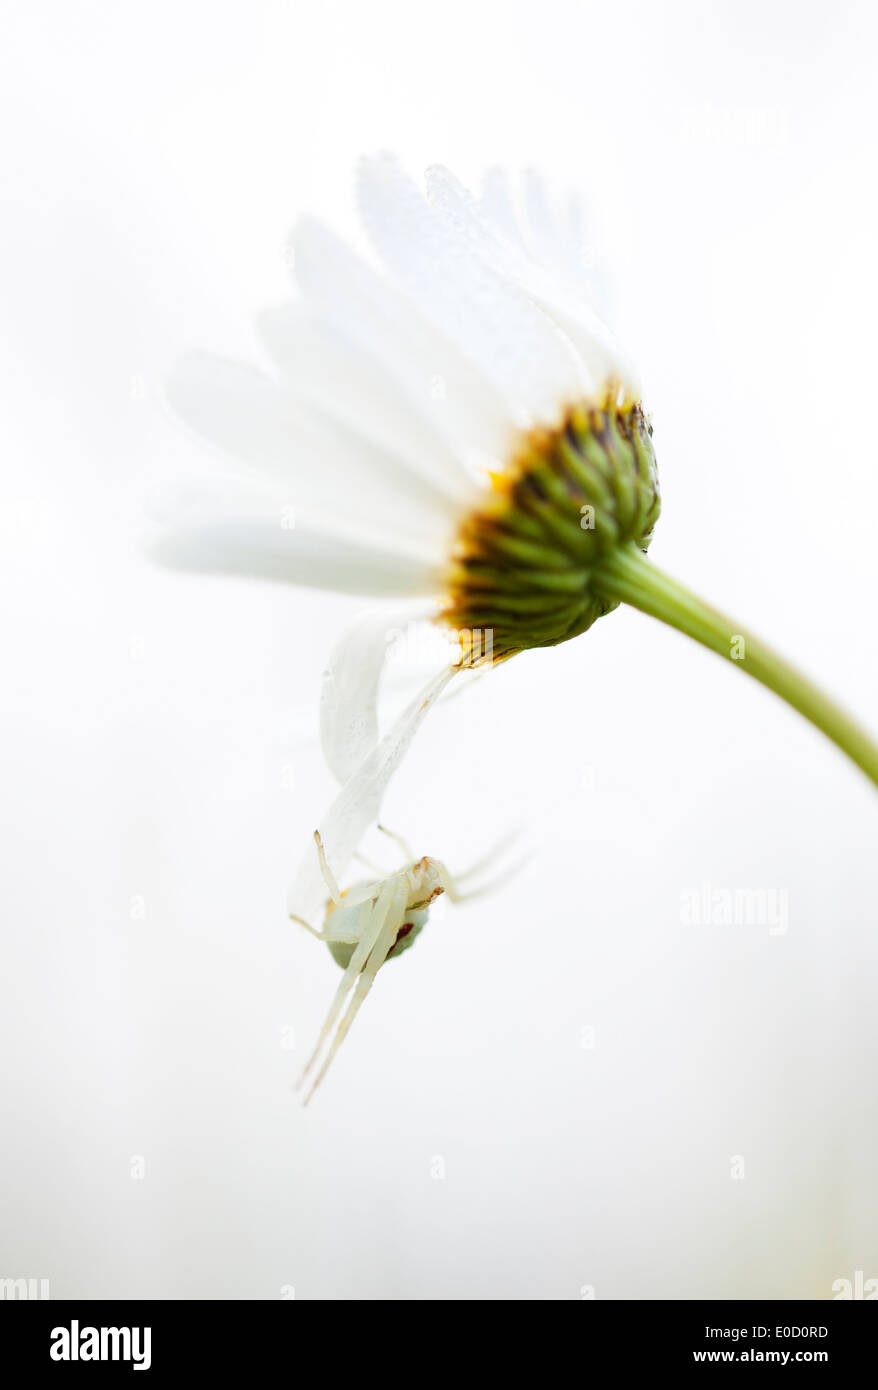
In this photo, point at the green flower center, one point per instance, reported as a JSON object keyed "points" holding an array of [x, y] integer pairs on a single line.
{"points": [[521, 572]]}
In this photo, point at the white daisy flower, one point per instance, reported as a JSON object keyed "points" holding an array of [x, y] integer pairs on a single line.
{"points": [[455, 425], [404, 404], [439, 427]]}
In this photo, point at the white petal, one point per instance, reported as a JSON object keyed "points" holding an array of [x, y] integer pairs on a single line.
{"points": [[561, 297], [236, 529], [411, 642], [496, 205], [325, 373], [510, 339], [324, 468], [543, 233], [576, 256], [358, 804], [380, 321], [557, 241], [349, 693]]}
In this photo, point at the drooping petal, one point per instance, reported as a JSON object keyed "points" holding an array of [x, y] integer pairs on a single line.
{"points": [[349, 693], [358, 804]]}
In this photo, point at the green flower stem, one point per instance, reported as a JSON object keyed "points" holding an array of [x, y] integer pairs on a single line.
{"points": [[624, 573]]}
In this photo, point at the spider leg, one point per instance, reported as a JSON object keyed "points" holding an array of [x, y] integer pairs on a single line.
{"points": [[403, 844], [329, 880], [456, 894], [307, 925], [358, 960], [383, 945], [328, 875], [505, 843], [371, 865], [459, 894]]}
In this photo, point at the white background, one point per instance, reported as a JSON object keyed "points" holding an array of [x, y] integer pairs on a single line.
{"points": [[160, 771]]}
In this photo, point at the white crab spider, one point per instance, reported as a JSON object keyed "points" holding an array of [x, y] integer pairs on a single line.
{"points": [[368, 924]]}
